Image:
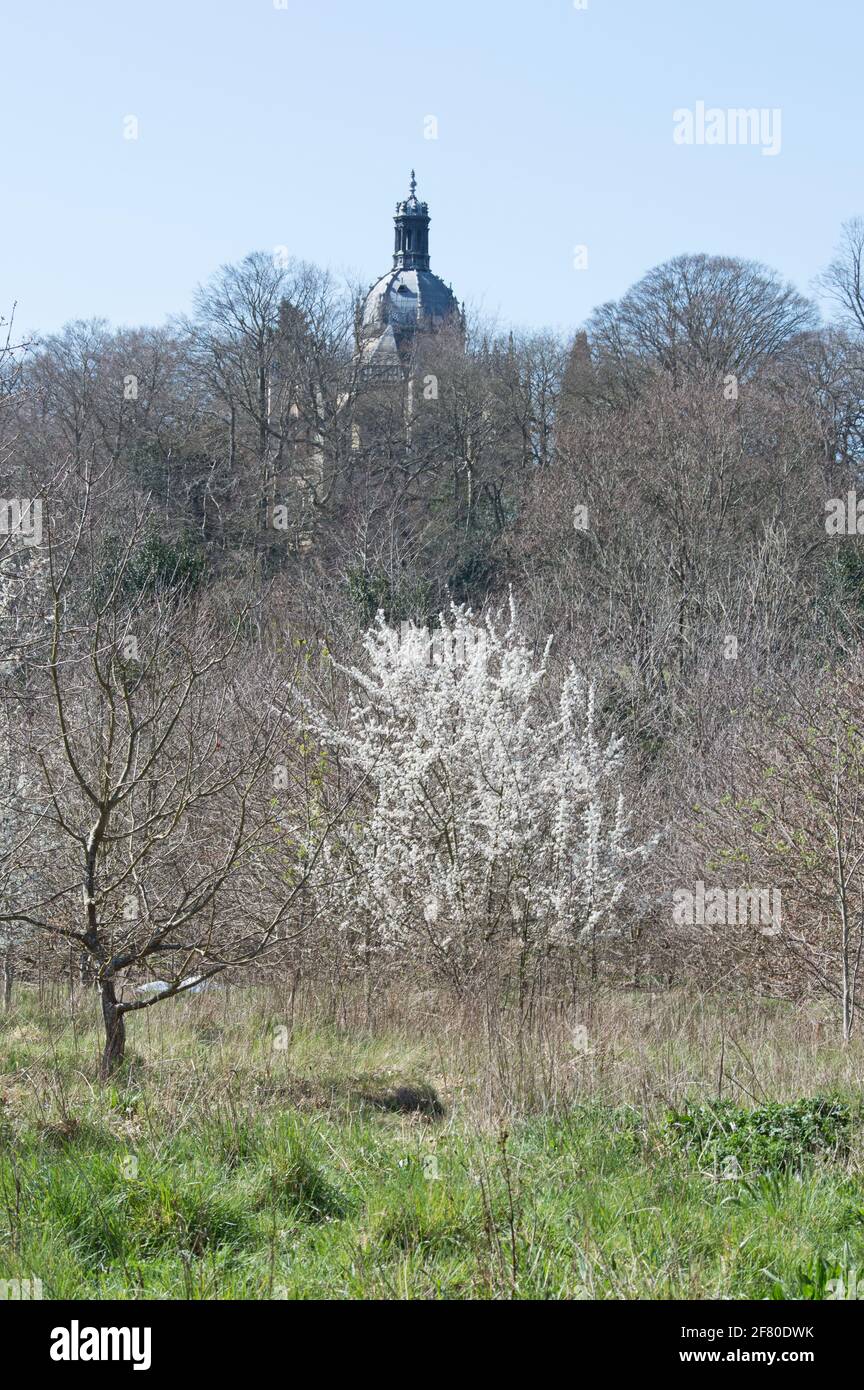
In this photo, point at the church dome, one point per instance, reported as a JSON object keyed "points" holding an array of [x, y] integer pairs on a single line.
{"points": [[409, 299]]}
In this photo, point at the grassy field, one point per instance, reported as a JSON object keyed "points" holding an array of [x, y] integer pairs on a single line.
{"points": [[658, 1149]]}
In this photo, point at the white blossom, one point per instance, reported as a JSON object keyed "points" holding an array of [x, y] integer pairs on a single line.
{"points": [[492, 814]]}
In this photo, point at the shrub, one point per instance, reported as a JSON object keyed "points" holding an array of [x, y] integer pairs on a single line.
{"points": [[765, 1139]]}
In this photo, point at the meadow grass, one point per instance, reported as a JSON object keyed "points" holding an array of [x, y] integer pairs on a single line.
{"points": [[239, 1157]]}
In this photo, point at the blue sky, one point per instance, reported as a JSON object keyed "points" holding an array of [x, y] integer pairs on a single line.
{"points": [[262, 127]]}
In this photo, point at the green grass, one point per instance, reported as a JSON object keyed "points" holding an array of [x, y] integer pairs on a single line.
{"points": [[218, 1167], [763, 1139]]}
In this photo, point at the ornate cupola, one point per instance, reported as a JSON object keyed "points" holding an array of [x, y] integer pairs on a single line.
{"points": [[411, 248], [409, 303]]}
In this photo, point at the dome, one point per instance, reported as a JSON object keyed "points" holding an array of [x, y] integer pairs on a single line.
{"points": [[409, 299]]}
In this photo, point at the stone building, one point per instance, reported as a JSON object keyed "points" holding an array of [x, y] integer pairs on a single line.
{"points": [[407, 317]]}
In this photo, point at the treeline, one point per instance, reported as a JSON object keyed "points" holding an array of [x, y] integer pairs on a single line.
{"points": [[235, 495]]}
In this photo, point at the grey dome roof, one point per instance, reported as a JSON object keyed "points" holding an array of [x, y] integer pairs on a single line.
{"points": [[408, 300]]}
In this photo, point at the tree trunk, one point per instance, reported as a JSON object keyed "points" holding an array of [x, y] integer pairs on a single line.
{"points": [[8, 976], [115, 1031], [848, 1009]]}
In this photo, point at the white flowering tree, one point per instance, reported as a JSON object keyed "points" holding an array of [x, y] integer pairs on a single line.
{"points": [[494, 829]]}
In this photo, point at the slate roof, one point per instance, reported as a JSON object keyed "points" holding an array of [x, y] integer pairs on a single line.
{"points": [[408, 300]]}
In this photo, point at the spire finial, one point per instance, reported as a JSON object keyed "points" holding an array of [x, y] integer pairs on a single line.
{"points": [[413, 184]]}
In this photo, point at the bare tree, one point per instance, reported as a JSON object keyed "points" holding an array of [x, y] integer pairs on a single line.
{"points": [[843, 281], [697, 315], [150, 743], [789, 822]]}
